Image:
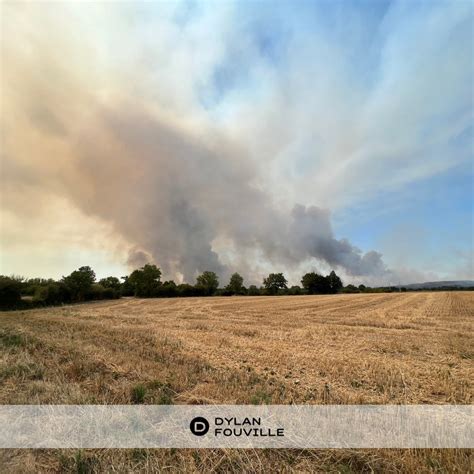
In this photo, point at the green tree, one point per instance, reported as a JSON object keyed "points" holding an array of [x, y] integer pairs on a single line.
{"points": [[207, 283], [335, 283], [111, 288], [111, 282], [314, 283], [79, 283], [145, 281], [236, 285], [275, 282], [168, 289]]}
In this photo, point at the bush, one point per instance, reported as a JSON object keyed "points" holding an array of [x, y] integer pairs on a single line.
{"points": [[111, 294], [31, 285], [186, 290], [59, 293], [51, 294], [168, 290], [350, 289], [253, 291], [98, 292], [295, 290], [10, 292]]}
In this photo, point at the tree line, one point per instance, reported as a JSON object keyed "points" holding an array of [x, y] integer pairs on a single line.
{"points": [[82, 285]]}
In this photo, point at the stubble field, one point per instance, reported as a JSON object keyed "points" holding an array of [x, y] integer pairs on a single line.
{"points": [[402, 348]]}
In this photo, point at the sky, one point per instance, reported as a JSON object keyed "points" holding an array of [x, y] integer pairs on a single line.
{"points": [[238, 136]]}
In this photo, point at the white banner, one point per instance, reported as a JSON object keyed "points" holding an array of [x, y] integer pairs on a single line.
{"points": [[236, 426]]}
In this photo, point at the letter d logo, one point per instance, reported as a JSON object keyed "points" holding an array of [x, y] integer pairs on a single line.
{"points": [[199, 426]]}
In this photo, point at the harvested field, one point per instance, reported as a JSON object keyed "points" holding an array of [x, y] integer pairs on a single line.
{"points": [[407, 348]]}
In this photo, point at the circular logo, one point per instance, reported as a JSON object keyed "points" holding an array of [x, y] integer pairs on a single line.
{"points": [[199, 426]]}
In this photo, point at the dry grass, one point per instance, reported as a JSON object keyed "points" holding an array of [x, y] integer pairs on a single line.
{"points": [[339, 349]]}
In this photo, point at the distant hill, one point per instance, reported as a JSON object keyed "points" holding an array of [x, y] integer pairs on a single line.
{"points": [[440, 284]]}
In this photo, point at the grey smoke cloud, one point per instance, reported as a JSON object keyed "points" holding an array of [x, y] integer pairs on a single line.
{"points": [[314, 235], [172, 194]]}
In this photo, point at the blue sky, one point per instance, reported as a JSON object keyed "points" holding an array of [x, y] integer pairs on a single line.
{"points": [[212, 123], [433, 218]]}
